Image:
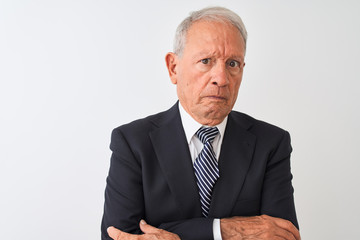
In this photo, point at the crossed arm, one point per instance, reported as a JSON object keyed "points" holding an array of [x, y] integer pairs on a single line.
{"points": [[239, 228], [257, 227]]}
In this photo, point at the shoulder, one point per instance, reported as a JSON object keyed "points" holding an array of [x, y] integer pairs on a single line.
{"points": [[140, 128], [270, 139], [259, 128]]}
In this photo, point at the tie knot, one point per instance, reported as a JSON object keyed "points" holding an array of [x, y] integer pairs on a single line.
{"points": [[207, 134]]}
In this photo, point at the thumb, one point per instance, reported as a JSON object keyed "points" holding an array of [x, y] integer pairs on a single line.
{"points": [[116, 234], [146, 228]]}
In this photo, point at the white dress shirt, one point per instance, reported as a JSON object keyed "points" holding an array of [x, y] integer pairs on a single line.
{"points": [[195, 146]]}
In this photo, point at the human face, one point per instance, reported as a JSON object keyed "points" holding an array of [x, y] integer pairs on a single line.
{"points": [[209, 71]]}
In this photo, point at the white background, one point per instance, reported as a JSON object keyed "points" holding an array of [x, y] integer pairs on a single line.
{"points": [[71, 71]]}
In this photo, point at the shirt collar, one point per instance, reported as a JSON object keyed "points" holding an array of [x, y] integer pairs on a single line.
{"points": [[191, 126]]}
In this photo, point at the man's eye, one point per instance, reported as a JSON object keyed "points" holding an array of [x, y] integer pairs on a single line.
{"points": [[205, 61], [234, 64]]}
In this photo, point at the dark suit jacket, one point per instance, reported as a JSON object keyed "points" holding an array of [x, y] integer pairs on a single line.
{"points": [[151, 176]]}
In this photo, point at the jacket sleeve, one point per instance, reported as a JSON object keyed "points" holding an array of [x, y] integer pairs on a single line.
{"points": [[124, 207], [124, 200], [277, 194]]}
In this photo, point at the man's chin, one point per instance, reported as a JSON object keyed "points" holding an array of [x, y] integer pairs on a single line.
{"points": [[216, 114], [216, 107]]}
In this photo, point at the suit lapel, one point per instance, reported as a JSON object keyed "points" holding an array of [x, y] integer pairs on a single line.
{"points": [[172, 151], [235, 158]]}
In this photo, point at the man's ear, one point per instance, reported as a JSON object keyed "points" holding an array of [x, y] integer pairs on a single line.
{"points": [[171, 60]]}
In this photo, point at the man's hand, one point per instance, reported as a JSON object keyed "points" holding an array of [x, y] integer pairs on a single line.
{"points": [[150, 233], [258, 227]]}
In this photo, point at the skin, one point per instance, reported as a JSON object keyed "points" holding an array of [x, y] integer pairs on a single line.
{"points": [[258, 227], [236, 228], [208, 74], [150, 233]]}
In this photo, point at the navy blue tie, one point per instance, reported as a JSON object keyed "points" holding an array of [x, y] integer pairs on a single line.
{"points": [[206, 167]]}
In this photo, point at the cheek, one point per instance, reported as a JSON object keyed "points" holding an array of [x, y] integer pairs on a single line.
{"points": [[194, 84], [187, 90], [235, 89]]}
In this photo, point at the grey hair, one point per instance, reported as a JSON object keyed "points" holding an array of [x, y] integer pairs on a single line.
{"points": [[216, 14]]}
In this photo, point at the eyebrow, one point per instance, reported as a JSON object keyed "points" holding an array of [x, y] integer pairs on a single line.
{"points": [[202, 54], [210, 54], [238, 58]]}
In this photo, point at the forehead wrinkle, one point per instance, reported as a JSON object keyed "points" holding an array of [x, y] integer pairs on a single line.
{"points": [[222, 47], [205, 54], [219, 45]]}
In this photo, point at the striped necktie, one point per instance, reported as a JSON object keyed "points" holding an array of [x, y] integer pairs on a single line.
{"points": [[206, 167]]}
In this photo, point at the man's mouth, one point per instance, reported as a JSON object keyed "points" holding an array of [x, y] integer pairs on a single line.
{"points": [[216, 97]]}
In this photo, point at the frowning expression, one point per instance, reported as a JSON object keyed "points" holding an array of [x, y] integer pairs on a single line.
{"points": [[209, 71]]}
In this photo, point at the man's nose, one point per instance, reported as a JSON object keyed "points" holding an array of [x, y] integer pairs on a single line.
{"points": [[220, 75]]}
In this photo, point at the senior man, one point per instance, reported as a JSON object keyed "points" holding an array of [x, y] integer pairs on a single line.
{"points": [[200, 170]]}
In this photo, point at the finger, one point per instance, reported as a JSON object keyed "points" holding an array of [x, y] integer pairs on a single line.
{"points": [[284, 234], [278, 238], [146, 228], [288, 226], [117, 234]]}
